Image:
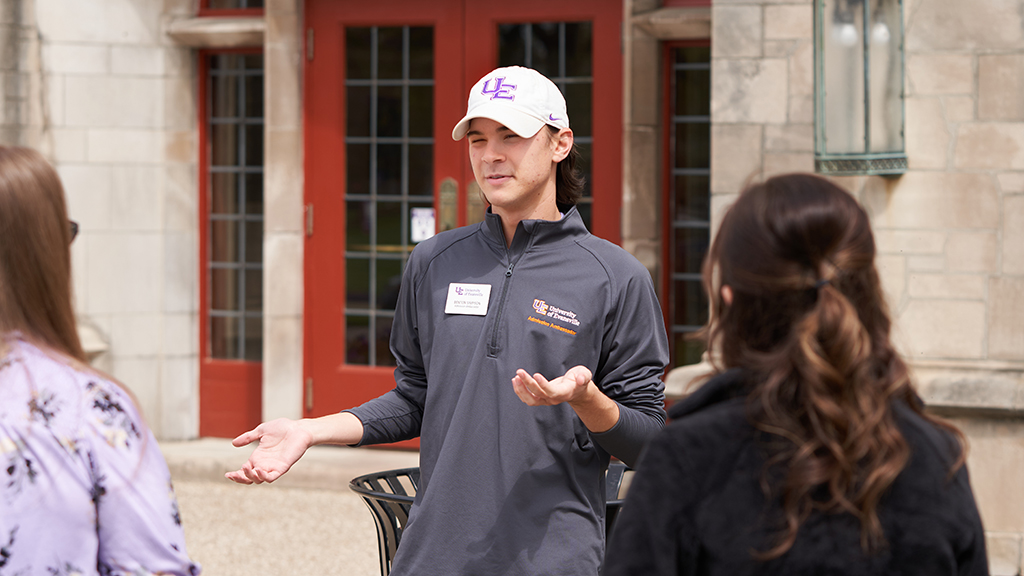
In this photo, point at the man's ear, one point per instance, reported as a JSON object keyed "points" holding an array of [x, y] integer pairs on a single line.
{"points": [[563, 144]]}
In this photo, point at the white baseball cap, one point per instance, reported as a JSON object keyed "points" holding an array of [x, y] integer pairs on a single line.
{"points": [[521, 99]]}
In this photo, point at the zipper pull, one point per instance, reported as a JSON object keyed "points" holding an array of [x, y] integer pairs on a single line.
{"points": [[508, 273]]}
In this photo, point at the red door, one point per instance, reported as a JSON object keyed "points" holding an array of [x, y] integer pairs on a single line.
{"points": [[385, 84]]}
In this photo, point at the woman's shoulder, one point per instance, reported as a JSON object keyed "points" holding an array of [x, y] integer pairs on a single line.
{"points": [[712, 418], [930, 443], [60, 391]]}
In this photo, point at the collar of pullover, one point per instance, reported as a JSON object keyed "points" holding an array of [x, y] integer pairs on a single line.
{"points": [[534, 233]]}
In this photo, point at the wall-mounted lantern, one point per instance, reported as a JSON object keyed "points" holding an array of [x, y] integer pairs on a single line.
{"points": [[858, 83]]}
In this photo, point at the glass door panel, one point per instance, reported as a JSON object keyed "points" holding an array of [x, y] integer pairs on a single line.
{"points": [[389, 146]]}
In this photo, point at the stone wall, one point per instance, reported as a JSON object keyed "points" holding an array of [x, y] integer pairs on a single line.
{"points": [[97, 87], [22, 115], [950, 231]]}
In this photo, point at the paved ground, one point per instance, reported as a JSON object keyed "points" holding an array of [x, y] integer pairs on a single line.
{"points": [[308, 522]]}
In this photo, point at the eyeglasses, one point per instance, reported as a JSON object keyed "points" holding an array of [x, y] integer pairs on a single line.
{"points": [[74, 229]]}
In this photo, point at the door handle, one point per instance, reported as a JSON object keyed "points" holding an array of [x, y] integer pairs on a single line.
{"points": [[448, 211], [475, 204]]}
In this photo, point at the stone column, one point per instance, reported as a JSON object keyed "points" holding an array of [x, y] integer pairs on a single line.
{"points": [[283, 212]]}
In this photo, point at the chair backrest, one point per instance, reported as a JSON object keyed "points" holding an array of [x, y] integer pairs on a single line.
{"points": [[389, 496]]}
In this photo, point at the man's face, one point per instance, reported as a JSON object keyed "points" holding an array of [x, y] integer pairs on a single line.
{"points": [[515, 173]]}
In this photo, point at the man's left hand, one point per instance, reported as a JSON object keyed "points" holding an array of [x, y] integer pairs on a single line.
{"points": [[537, 390]]}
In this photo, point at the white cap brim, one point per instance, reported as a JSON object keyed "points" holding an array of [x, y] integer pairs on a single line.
{"points": [[522, 123]]}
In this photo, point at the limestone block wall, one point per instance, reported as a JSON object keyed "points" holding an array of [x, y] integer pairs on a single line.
{"points": [[118, 121], [950, 231]]}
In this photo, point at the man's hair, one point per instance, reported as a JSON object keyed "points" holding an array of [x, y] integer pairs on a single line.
{"points": [[35, 258], [568, 180]]}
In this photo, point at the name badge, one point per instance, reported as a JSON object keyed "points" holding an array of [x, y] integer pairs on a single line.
{"points": [[467, 299]]}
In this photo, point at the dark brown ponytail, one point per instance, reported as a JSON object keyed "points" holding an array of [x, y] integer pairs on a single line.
{"points": [[808, 319]]}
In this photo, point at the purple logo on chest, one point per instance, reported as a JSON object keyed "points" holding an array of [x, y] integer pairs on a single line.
{"points": [[499, 90]]}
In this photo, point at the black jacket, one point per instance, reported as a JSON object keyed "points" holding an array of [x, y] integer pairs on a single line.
{"points": [[696, 505]]}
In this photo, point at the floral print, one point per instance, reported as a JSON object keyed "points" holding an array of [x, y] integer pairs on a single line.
{"points": [[84, 490]]}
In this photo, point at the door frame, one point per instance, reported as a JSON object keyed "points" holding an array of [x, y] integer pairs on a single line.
{"points": [[324, 163]]}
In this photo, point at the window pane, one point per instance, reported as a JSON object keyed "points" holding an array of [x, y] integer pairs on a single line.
{"points": [[253, 63], [357, 111], [692, 95], [254, 290], [512, 45], [578, 103], [421, 52], [389, 111], [389, 52], [357, 53], [687, 351], [254, 145], [692, 149], [254, 338], [357, 340], [692, 55], [421, 111], [586, 212], [224, 96], [254, 194], [224, 145], [692, 196], [690, 246], [544, 49], [234, 4], [384, 357], [421, 170], [357, 225], [254, 96], [578, 49], [389, 225], [389, 169], [389, 279], [223, 193], [357, 167], [690, 305], [224, 241], [886, 67], [583, 165], [224, 337], [357, 283], [254, 242], [844, 77], [224, 289]]}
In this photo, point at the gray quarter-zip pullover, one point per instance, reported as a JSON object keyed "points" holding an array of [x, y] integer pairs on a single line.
{"points": [[507, 488]]}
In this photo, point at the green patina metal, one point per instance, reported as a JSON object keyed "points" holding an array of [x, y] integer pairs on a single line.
{"points": [[866, 158]]}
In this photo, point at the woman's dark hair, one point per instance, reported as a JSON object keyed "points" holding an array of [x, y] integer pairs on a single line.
{"points": [[568, 180], [808, 320], [35, 259]]}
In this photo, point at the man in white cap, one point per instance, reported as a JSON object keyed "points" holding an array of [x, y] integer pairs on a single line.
{"points": [[512, 473]]}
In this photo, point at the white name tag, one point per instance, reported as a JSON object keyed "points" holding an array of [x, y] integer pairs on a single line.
{"points": [[467, 299]]}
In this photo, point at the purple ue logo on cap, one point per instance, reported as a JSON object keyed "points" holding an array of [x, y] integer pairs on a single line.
{"points": [[500, 89]]}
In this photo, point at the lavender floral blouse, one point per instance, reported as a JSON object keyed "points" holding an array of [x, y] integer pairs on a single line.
{"points": [[83, 489]]}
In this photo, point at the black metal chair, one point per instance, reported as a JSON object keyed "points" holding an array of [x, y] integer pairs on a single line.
{"points": [[389, 495]]}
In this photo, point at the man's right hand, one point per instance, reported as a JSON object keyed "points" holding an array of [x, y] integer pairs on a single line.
{"points": [[281, 443]]}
